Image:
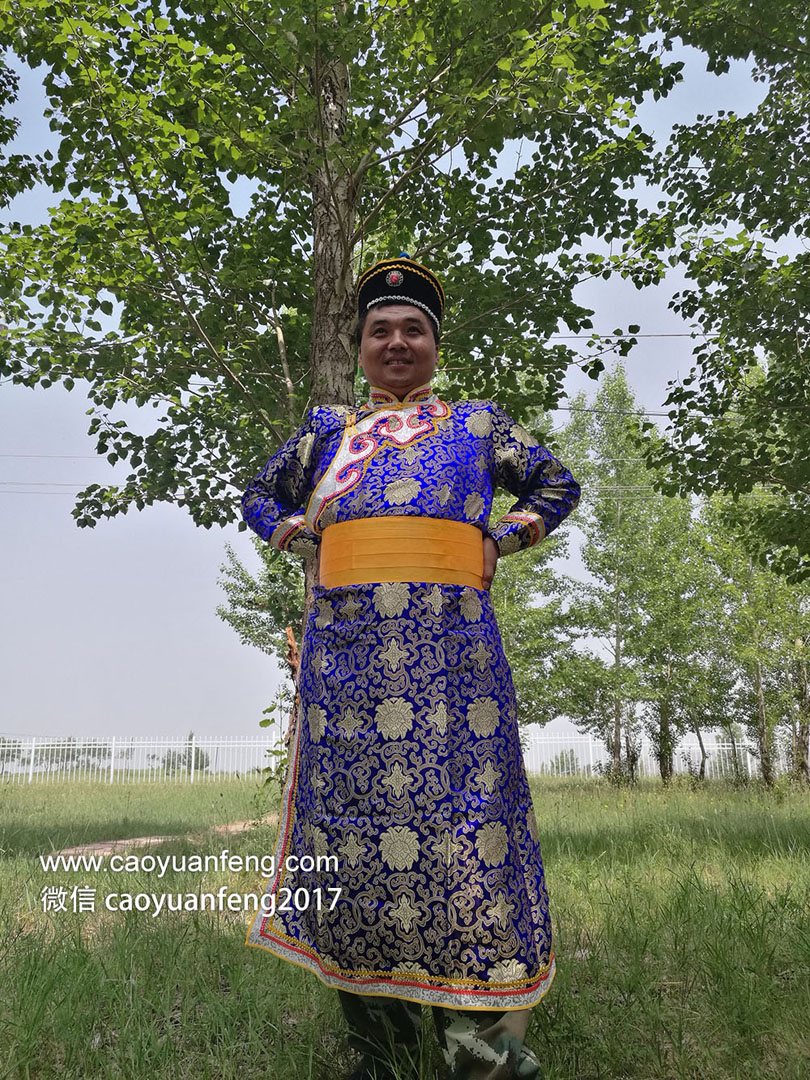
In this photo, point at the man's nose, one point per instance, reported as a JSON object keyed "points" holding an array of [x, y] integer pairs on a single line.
{"points": [[397, 340]]}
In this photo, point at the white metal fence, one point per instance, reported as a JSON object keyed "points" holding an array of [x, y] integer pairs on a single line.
{"points": [[197, 760], [549, 755], [134, 760]]}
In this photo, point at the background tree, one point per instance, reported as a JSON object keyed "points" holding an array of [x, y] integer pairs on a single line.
{"points": [[261, 608], [801, 740], [762, 629], [529, 601], [614, 518], [11, 751], [191, 757], [18, 172], [70, 753], [707, 692], [565, 763], [227, 168], [266, 611], [654, 603], [676, 594], [735, 217]]}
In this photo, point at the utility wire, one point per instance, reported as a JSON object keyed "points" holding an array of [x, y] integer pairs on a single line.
{"points": [[622, 493], [560, 408], [88, 457], [603, 334]]}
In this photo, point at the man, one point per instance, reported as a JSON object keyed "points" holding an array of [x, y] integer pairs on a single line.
{"points": [[406, 785]]}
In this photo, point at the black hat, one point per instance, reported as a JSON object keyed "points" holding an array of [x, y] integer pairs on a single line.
{"points": [[400, 281]]}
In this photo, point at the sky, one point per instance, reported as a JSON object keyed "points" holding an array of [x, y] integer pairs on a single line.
{"points": [[113, 630]]}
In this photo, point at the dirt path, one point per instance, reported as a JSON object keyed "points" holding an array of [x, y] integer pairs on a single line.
{"points": [[108, 847]]}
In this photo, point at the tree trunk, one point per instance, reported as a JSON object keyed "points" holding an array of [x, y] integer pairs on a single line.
{"points": [[333, 214], [703, 754], [333, 303], [293, 662], [665, 745], [765, 764], [665, 742], [800, 762], [631, 755], [735, 758], [617, 661]]}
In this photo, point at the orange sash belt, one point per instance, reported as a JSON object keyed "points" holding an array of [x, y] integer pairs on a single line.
{"points": [[402, 548]]}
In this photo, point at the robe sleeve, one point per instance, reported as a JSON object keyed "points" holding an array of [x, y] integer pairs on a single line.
{"points": [[274, 503], [546, 491]]}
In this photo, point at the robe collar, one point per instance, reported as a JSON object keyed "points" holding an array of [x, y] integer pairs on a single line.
{"points": [[379, 399]]}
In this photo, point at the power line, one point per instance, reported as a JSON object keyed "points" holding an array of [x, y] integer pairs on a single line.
{"points": [[609, 412], [586, 491], [100, 457], [65, 484], [86, 483], [602, 334], [540, 404], [71, 457]]}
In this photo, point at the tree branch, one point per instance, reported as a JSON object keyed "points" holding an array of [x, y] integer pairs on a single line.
{"points": [[163, 259], [282, 351], [273, 73], [505, 307]]}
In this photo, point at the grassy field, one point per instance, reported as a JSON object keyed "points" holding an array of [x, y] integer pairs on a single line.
{"points": [[38, 818], [682, 922]]}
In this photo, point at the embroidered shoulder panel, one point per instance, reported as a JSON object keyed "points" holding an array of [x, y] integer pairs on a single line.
{"points": [[361, 440]]}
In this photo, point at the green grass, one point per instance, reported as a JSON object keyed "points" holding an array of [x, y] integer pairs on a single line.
{"points": [[683, 932], [682, 923], [37, 818]]}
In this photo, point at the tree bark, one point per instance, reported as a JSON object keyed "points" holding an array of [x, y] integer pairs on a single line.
{"points": [[333, 215], [631, 755], [293, 659], [703, 754], [665, 739], [333, 306], [735, 758], [765, 763], [800, 761]]}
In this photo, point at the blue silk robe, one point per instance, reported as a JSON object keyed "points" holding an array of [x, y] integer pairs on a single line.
{"points": [[406, 786]]}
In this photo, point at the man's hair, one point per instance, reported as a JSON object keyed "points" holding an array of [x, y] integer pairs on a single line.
{"points": [[361, 322]]}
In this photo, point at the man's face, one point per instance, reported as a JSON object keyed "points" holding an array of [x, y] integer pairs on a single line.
{"points": [[397, 350]]}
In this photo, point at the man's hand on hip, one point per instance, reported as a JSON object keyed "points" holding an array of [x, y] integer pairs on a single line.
{"points": [[490, 562]]}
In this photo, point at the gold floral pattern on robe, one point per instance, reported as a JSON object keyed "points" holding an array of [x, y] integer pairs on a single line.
{"points": [[399, 847], [399, 492], [316, 718], [479, 423], [483, 715], [391, 598], [426, 807], [492, 843], [394, 718]]}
